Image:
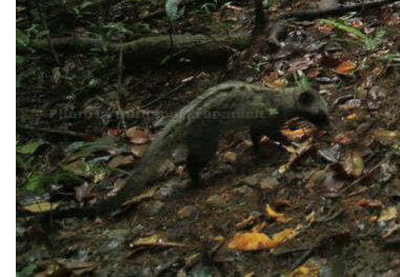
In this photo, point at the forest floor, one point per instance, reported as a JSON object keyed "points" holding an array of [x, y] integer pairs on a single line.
{"points": [[328, 206]]}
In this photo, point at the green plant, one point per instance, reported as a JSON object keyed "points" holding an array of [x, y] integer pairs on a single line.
{"points": [[116, 29], [258, 66], [24, 153], [38, 182], [26, 270], [268, 3], [21, 38], [302, 80], [209, 7], [370, 43], [172, 10], [393, 58], [81, 10]]}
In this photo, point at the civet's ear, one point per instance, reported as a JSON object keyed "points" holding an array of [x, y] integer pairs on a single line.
{"points": [[306, 98]]}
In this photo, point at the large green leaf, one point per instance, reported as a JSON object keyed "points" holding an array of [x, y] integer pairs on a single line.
{"points": [[38, 182], [342, 26], [172, 10], [84, 149], [30, 147]]}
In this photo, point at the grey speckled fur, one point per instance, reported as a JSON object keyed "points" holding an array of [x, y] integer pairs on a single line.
{"points": [[198, 126]]}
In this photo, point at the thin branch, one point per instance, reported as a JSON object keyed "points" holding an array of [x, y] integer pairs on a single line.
{"points": [[164, 96], [260, 19], [119, 89], [52, 131]]}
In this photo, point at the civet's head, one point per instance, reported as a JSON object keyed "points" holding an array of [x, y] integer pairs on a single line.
{"points": [[312, 107]]}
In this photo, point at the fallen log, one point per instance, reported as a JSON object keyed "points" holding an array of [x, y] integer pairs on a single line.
{"points": [[194, 47]]}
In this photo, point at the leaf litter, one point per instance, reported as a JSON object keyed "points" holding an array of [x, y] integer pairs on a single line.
{"points": [[298, 222]]}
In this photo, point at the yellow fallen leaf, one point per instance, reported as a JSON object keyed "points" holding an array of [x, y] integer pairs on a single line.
{"points": [[283, 235], [279, 217], [39, 207], [148, 240], [258, 241], [351, 116], [386, 137], [309, 269], [147, 194], [229, 157], [154, 240], [386, 133], [218, 238], [388, 214], [296, 129]]}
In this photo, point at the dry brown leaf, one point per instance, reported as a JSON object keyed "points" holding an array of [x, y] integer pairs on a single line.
{"points": [[372, 219], [357, 24], [121, 161], [273, 80], [304, 147], [354, 163], [79, 267], [325, 29], [343, 139], [83, 192], [313, 72], [138, 150], [365, 203], [316, 179], [351, 105], [78, 167], [377, 71], [229, 157], [114, 132], [345, 67], [386, 137], [138, 135], [302, 63]]}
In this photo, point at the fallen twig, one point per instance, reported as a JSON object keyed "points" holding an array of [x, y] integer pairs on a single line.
{"points": [[52, 131], [164, 96], [119, 89]]}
